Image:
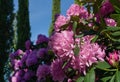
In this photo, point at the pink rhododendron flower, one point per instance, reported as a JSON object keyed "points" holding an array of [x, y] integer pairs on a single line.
{"points": [[110, 22], [42, 71], [60, 21], [113, 59], [57, 71], [62, 44], [76, 10], [89, 53]]}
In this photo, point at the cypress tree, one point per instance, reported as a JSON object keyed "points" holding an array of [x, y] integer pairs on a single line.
{"points": [[77, 1], [23, 25], [55, 11], [6, 33]]}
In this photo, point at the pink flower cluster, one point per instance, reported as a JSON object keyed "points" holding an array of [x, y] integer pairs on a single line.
{"points": [[113, 59], [89, 54], [62, 44], [74, 10]]}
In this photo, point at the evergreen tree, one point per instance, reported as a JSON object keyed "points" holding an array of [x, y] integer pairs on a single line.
{"points": [[55, 11], [23, 25], [6, 33], [77, 1]]}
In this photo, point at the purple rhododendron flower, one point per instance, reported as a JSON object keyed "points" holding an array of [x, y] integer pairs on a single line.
{"points": [[17, 64], [27, 44], [42, 52], [32, 59], [17, 53], [110, 22], [106, 8], [41, 38], [42, 71], [62, 44], [57, 71], [28, 75]]}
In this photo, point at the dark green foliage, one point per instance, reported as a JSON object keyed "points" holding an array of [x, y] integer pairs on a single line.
{"points": [[76, 1], [6, 33], [55, 12], [23, 25]]}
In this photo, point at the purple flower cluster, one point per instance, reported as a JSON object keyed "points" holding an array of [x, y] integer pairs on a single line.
{"points": [[42, 72], [104, 12], [25, 64], [41, 38], [57, 71]]}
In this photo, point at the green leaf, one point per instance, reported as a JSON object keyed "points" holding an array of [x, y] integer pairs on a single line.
{"points": [[94, 39], [102, 65], [112, 79], [118, 47], [116, 9], [79, 36], [74, 26], [80, 79], [115, 34], [115, 3], [117, 76], [90, 76], [105, 79], [111, 29], [76, 50], [112, 38], [115, 16], [97, 5]]}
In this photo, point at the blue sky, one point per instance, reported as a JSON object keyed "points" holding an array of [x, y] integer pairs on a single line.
{"points": [[40, 15]]}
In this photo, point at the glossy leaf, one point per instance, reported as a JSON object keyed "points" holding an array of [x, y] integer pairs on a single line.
{"points": [[112, 79], [80, 79], [117, 76], [105, 79], [74, 26], [76, 50], [103, 65], [90, 76], [95, 39], [115, 34]]}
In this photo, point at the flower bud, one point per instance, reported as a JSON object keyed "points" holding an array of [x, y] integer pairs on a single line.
{"points": [[113, 59]]}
